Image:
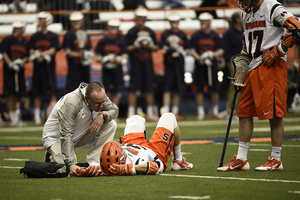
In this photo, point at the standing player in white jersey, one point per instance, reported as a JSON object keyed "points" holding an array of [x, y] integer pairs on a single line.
{"points": [[269, 30], [137, 156]]}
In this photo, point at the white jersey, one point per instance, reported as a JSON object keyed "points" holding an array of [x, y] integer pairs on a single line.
{"points": [[137, 154], [264, 29]]}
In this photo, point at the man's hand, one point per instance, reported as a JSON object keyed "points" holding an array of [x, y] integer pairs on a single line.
{"points": [[73, 171], [91, 171], [270, 56], [122, 170], [96, 124]]}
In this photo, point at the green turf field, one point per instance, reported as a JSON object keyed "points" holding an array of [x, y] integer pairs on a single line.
{"points": [[202, 182]]}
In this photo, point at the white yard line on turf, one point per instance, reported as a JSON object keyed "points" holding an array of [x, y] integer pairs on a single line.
{"points": [[233, 178], [15, 159], [260, 145], [296, 192], [19, 138], [10, 167], [189, 197]]}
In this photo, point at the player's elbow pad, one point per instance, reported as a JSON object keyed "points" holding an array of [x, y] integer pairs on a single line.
{"points": [[154, 168]]}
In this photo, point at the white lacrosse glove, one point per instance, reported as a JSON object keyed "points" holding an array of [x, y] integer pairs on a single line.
{"points": [[87, 57], [16, 65], [206, 55], [1, 56], [137, 44], [37, 55], [47, 58]]}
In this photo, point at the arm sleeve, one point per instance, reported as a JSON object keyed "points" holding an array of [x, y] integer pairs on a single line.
{"points": [[110, 109]]}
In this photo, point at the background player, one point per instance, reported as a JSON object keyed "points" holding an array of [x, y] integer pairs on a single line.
{"points": [[15, 52], [174, 42], [141, 41], [79, 52], [207, 48], [42, 48], [271, 29], [112, 54]]}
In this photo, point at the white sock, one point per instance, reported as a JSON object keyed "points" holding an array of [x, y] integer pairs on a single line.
{"points": [[149, 111], [216, 109], [130, 111], [175, 109], [12, 116], [37, 114], [243, 151], [166, 109], [201, 110], [177, 153], [276, 152]]}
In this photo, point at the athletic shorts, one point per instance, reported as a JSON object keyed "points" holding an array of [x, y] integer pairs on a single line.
{"points": [[77, 74], [10, 82], [201, 77], [43, 80], [174, 77], [141, 75], [265, 93], [113, 79]]}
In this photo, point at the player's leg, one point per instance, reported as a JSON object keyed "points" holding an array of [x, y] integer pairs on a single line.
{"points": [[200, 82], [165, 139], [215, 92]]}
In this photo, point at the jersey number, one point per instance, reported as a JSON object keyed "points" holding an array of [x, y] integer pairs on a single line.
{"points": [[258, 36]]}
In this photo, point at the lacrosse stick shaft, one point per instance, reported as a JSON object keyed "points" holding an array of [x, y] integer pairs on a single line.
{"points": [[16, 82], [209, 74], [228, 128]]}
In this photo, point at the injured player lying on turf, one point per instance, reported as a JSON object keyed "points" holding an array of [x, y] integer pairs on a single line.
{"points": [[134, 155]]}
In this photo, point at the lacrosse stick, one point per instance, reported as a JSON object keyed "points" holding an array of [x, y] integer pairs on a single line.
{"points": [[16, 82], [240, 63]]}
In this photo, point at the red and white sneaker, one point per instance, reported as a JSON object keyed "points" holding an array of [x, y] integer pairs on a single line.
{"points": [[235, 165], [271, 165], [183, 165]]}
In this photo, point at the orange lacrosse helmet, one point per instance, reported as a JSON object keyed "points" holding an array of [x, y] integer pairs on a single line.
{"points": [[111, 153]]}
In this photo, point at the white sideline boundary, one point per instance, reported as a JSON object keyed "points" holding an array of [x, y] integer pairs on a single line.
{"points": [[233, 178]]}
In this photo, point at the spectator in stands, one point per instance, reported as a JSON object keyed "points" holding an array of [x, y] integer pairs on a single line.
{"points": [[79, 52], [17, 6], [141, 42], [15, 52], [42, 48], [173, 4], [206, 49], [111, 52], [232, 46], [174, 42]]}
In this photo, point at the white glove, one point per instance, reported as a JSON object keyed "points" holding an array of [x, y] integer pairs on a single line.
{"points": [[107, 58], [37, 55], [47, 58], [87, 57], [137, 44], [206, 55], [16, 65], [1, 56]]}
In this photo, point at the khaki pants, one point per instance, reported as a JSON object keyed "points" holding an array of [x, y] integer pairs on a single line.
{"points": [[106, 134]]}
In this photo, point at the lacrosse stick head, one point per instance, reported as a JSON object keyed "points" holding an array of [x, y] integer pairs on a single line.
{"points": [[240, 63]]}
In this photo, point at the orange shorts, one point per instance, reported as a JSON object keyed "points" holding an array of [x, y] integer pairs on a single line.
{"points": [[265, 93], [161, 142]]}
